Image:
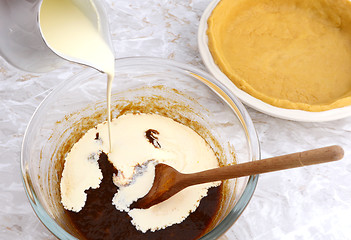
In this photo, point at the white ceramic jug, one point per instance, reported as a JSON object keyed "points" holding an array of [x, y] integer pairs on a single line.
{"points": [[21, 41]]}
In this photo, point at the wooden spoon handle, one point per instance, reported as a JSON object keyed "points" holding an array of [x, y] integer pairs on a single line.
{"points": [[310, 157]]}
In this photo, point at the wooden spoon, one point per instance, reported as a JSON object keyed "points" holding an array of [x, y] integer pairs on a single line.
{"points": [[169, 181]]}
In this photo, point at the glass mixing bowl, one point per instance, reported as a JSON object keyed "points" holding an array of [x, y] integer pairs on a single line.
{"points": [[142, 84]]}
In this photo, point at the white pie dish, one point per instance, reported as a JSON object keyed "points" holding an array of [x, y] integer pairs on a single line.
{"points": [[289, 114]]}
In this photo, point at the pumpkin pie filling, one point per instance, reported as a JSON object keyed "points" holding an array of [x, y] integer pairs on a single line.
{"points": [[290, 54]]}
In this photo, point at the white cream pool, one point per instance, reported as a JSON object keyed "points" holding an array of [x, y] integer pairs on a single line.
{"points": [[172, 143]]}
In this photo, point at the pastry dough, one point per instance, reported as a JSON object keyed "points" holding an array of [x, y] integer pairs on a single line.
{"points": [[290, 54]]}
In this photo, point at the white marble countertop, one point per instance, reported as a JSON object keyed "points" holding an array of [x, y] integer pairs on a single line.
{"points": [[306, 203]]}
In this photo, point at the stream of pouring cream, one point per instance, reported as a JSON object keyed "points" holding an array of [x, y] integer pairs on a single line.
{"points": [[74, 36]]}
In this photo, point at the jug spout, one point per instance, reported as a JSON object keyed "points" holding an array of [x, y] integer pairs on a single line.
{"points": [[21, 40], [21, 43]]}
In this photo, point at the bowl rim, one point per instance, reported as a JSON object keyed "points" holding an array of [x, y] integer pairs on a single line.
{"points": [[242, 202], [257, 104]]}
